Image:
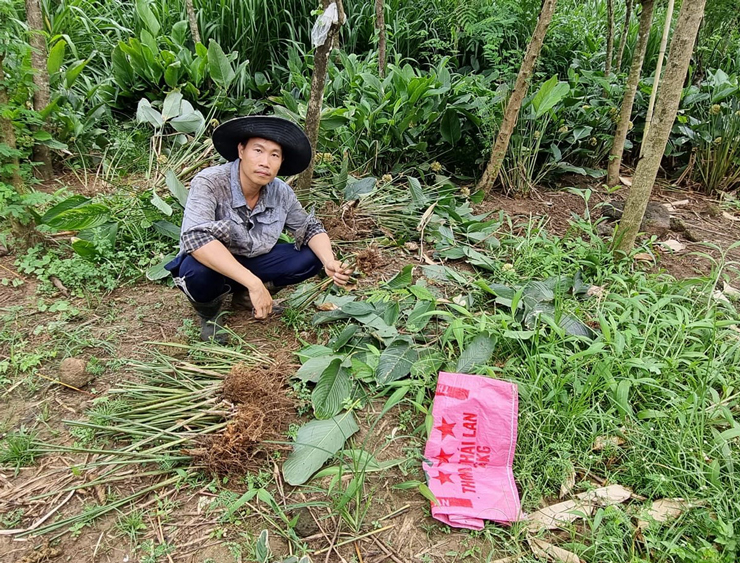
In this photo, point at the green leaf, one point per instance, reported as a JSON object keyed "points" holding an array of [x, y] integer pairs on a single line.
{"points": [[171, 105], [167, 229], [56, 56], [161, 204], [145, 113], [401, 279], [450, 127], [314, 367], [158, 272], [84, 248], [395, 361], [188, 123], [262, 548], [69, 203], [79, 218], [477, 353], [73, 72], [315, 443], [427, 493], [176, 188], [344, 337], [147, 16], [419, 317], [358, 188], [571, 325], [395, 398], [333, 388], [123, 72], [220, 67], [549, 95]]}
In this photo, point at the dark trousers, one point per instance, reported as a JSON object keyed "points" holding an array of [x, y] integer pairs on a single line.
{"points": [[283, 265]]}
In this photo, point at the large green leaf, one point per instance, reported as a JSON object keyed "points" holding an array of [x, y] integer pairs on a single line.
{"points": [[419, 316], [158, 272], [332, 390], [73, 72], [56, 56], [312, 369], [477, 353], [395, 361], [315, 443], [79, 218], [176, 188], [450, 127], [401, 279], [123, 72], [171, 105], [549, 95], [145, 113], [167, 229], [147, 16], [358, 188], [220, 67], [61, 207], [188, 123], [161, 204]]}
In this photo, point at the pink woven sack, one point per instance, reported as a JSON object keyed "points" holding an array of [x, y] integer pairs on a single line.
{"points": [[470, 451]]}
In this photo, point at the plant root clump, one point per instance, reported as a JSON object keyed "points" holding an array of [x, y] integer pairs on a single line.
{"points": [[369, 260], [345, 222], [264, 411]]}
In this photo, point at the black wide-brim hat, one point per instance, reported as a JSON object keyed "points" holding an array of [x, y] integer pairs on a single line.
{"points": [[291, 138]]}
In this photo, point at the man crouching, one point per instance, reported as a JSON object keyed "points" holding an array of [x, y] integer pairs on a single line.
{"points": [[235, 214]]}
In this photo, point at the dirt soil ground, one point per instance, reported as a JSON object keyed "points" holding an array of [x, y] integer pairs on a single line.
{"points": [[123, 324]]}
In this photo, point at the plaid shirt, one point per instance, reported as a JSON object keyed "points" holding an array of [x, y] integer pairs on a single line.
{"points": [[217, 210]]}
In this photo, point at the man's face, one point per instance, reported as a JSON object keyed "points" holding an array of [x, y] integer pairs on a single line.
{"points": [[260, 161]]}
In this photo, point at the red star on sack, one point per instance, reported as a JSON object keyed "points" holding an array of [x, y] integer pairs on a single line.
{"points": [[446, 428], [444, 457], [444, 478]]}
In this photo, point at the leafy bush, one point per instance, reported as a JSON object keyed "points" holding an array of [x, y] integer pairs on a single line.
{"points": [[411, 116]]}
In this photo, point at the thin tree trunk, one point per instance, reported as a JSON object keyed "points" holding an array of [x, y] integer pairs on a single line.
{"points": [[665, 114], [625, 34], [41, 96], [511, 114], [658, 69], [380, 26], [7, 130], [316, 98], [192, 20], [620, 135], [609, 37]]}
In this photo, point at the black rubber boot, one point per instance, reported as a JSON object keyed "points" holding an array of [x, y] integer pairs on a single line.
{"points": [[210, 324]]}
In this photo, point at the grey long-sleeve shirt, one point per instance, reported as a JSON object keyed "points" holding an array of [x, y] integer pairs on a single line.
{"points": [[217, 210]]}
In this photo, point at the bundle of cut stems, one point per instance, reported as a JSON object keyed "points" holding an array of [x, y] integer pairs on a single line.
{"points": [[148, 424]]}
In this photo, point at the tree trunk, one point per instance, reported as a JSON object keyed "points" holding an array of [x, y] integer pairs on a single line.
{"points": [[658, 69], [609, 37], [625, 34], [316, 98], [615, 155], [192, 20], [41, 96], [665, 114], [7, 130], [511, 114], [380, 26]]}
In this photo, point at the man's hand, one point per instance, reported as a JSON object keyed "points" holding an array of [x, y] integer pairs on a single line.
{"points": [[261, 300], [338, 271]]}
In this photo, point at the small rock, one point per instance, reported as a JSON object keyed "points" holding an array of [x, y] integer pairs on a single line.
{"points": [[305, 526], [691, 235], [73, 372], [677, 225], [657, 220]]}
